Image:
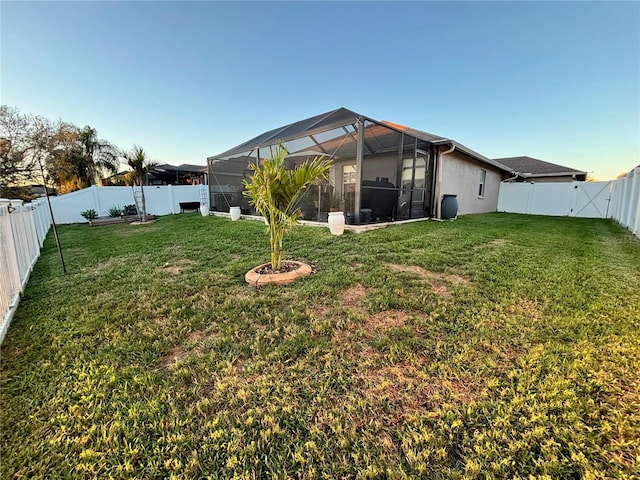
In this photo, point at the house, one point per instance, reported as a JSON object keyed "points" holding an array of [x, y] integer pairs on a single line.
{"points": [[527, 169], [184, 174], [382, 171], [166, 174]]}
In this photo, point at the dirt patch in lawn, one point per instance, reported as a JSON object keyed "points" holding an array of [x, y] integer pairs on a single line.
{"points": [[352, 297], [105, 265], [319, 310], [175, 355], [440, 282], [403, 389], [385, 320], [499, 242], [192, 345], [176, 266]]}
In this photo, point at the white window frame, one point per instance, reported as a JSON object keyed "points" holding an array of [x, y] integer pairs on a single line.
{"points": [[482, 184]]}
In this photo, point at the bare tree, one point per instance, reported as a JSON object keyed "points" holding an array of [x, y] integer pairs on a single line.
{"points": [[17, 165], [73, 158]]}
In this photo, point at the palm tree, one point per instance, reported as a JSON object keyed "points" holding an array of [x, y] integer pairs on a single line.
{"points": [[274, 191], [98, 154], [140, 166]]}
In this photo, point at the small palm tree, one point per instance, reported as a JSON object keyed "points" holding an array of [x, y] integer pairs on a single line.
{"points": [[274, 192], [140, 166]]}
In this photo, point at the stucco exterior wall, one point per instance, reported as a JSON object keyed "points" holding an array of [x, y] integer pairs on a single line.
{"points": [[382, 166], [461, 176]]}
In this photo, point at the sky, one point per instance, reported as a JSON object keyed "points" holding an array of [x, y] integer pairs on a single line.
{"points": [[557, 81]]}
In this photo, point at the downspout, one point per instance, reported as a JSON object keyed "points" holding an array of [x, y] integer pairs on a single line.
{"points": [[515, 175], [439, 182]]}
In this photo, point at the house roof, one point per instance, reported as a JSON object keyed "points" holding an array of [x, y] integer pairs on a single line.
{"points": [[185, 167], [532, 167], [340, 117], [429, 137]]}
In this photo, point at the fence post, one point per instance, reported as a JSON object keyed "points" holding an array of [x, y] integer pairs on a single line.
{"points": [[96, 199], [634, 220], [12, 256], [171, 200], [530, 199]]}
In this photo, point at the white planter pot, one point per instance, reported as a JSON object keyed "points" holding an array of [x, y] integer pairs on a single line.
{"points": [[204, 210], [235, 213], [336, 223]]}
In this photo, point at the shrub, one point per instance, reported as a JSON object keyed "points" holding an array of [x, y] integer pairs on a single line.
{"points": [[115, 211], [89, 214], [129, 210]]}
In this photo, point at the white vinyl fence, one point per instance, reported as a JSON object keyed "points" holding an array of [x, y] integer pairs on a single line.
{"points": [[159, 200], [617, 199], [22, 234], [625, 201]]}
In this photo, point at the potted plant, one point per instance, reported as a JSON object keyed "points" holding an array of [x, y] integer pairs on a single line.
{"points": [[274, 192], [334, 202]]}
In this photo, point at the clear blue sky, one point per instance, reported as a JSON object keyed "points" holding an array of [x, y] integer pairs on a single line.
{"points": [[556, 81]]}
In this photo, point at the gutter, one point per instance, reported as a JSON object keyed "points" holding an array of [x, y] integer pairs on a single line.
{"points": [[553, 174], [515, 175]]}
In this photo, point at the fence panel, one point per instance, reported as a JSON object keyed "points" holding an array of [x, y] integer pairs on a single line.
{"points": [[67, 208], [159, 199], [514, 197], [626, 201], [554, 199], [22, 233], [617, 199]]}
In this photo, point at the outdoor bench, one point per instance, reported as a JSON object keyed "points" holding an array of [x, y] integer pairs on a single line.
{"points": [[189, 206]]}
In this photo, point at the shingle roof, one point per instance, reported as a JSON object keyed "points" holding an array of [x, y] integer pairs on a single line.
{"points": [[185, 167], [533, 166]]}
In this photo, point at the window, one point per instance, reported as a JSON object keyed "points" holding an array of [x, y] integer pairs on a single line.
{"points": [[483, 178], [349, 187]]}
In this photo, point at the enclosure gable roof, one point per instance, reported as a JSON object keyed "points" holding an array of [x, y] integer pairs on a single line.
{"points": [[533, 166], [339, 117], [422, 135], [324, 121]]}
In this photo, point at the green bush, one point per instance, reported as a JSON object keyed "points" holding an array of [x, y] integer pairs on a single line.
{"points": [[115, 211], [89, 214]]}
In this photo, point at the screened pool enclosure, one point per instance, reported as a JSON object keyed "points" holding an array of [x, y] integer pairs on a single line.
{"points": [[381, 171]]}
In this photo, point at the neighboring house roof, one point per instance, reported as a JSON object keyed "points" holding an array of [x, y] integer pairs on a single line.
{"points": [[185, 167], [337, 118], [532, 167]]}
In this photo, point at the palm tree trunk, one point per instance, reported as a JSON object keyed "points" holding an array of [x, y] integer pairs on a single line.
{"points": [[276, 238], [144, 206]]}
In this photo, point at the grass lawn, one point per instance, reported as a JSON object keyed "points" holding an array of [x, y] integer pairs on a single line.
{"points": [[494, 346]]}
